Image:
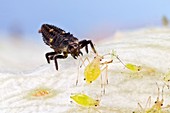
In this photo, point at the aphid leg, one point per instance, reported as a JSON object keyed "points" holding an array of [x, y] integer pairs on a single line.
{"points": [[88, 109], [107, 81], [158, 92], [60, 57], [84, 43], [113, 53], [120, 60], [78, 71], [148, 102], [168, 106], [107, 62], [162, 94], [140, 106], [106, 76], [49, 54], [101, 79], [165, 84], [83, 61], [96, 110]]}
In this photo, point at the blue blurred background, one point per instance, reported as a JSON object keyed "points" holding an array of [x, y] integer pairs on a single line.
{"points": [[83, 18]]}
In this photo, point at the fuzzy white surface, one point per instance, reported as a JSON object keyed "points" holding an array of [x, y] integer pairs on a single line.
{"points": [[24, 68]]}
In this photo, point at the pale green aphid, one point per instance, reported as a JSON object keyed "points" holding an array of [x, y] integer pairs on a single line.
{"points": [[133, 67], [85, 100], [158, 105], [92, 70], [129, 66]]}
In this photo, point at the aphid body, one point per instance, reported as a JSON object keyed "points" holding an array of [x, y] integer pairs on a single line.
{"points": [[92, 70], [85, 100], [95, 67], [157, 107], [133, 67]]}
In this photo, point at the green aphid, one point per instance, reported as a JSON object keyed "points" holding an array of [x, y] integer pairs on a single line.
{"points": [[84, 100], [133, 67]]}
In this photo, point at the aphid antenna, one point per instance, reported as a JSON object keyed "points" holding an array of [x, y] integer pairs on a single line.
{"points": [[79, 66], [102, 85], [106, 69], [75, 93], [168, 106], [147, 102], [113, 53], [159, 90], [81, 92], [165, 84], [83, 61], [106, 54], [140, 106], [120, 61], [160, 102]]}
